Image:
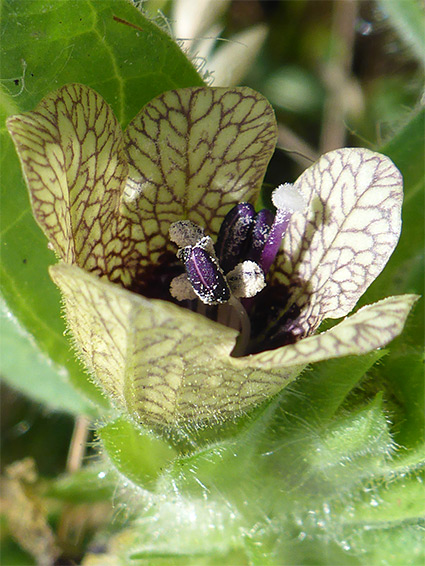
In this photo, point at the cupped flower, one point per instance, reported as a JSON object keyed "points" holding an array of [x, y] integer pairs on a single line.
{"points": [[181, 297]]}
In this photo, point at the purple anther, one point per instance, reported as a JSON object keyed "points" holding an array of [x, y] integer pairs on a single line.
{"points": [[233, 235], [287, 200], [260, 232], [205, 275]]}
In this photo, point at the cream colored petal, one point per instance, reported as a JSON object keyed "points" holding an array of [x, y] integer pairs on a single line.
{"points": [[334, 250], [371, 327], [166, 365], [161, 363], [43, 163], [193, 153], [71, 150], [100, 322]]}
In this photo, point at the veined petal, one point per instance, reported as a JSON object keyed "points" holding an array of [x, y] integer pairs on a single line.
{"points": [[373, 326], [71, 150], [151, 355], [193, 153], [100, 323], [161, 363], [338, 246]]}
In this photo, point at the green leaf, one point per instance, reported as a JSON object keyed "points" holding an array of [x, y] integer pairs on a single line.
{"points": [[405, 374], [399, 544], [151, 543], [44, 46], [361, 438], [403, 368], [403, 272], [135, 453], [314, 462], [407, 17], [402, 499], [30, 371], [321, 391], [127, 66], [87, 485]]}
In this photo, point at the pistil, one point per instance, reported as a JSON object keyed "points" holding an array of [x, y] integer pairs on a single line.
{"points": [[287, 200]]}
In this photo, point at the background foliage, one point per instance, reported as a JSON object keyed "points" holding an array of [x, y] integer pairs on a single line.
{"points": [[331, 471]]}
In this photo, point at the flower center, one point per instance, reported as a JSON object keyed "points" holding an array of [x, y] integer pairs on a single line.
{"points": [[229, 273]]}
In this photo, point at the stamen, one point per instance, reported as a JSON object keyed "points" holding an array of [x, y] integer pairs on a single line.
{"points": [[185, 233], [246, 247], [246, 280], [234, 315], [233, 235], [223, 316], [181, 289], [287, 200], [205, 275], [206, 244], [245, 327]]}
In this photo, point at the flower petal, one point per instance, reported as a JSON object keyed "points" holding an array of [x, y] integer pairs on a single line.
{"points": [[161, 363], [333, 251], [71, 150], [373, 326], [166, 365], [193, 153]]}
